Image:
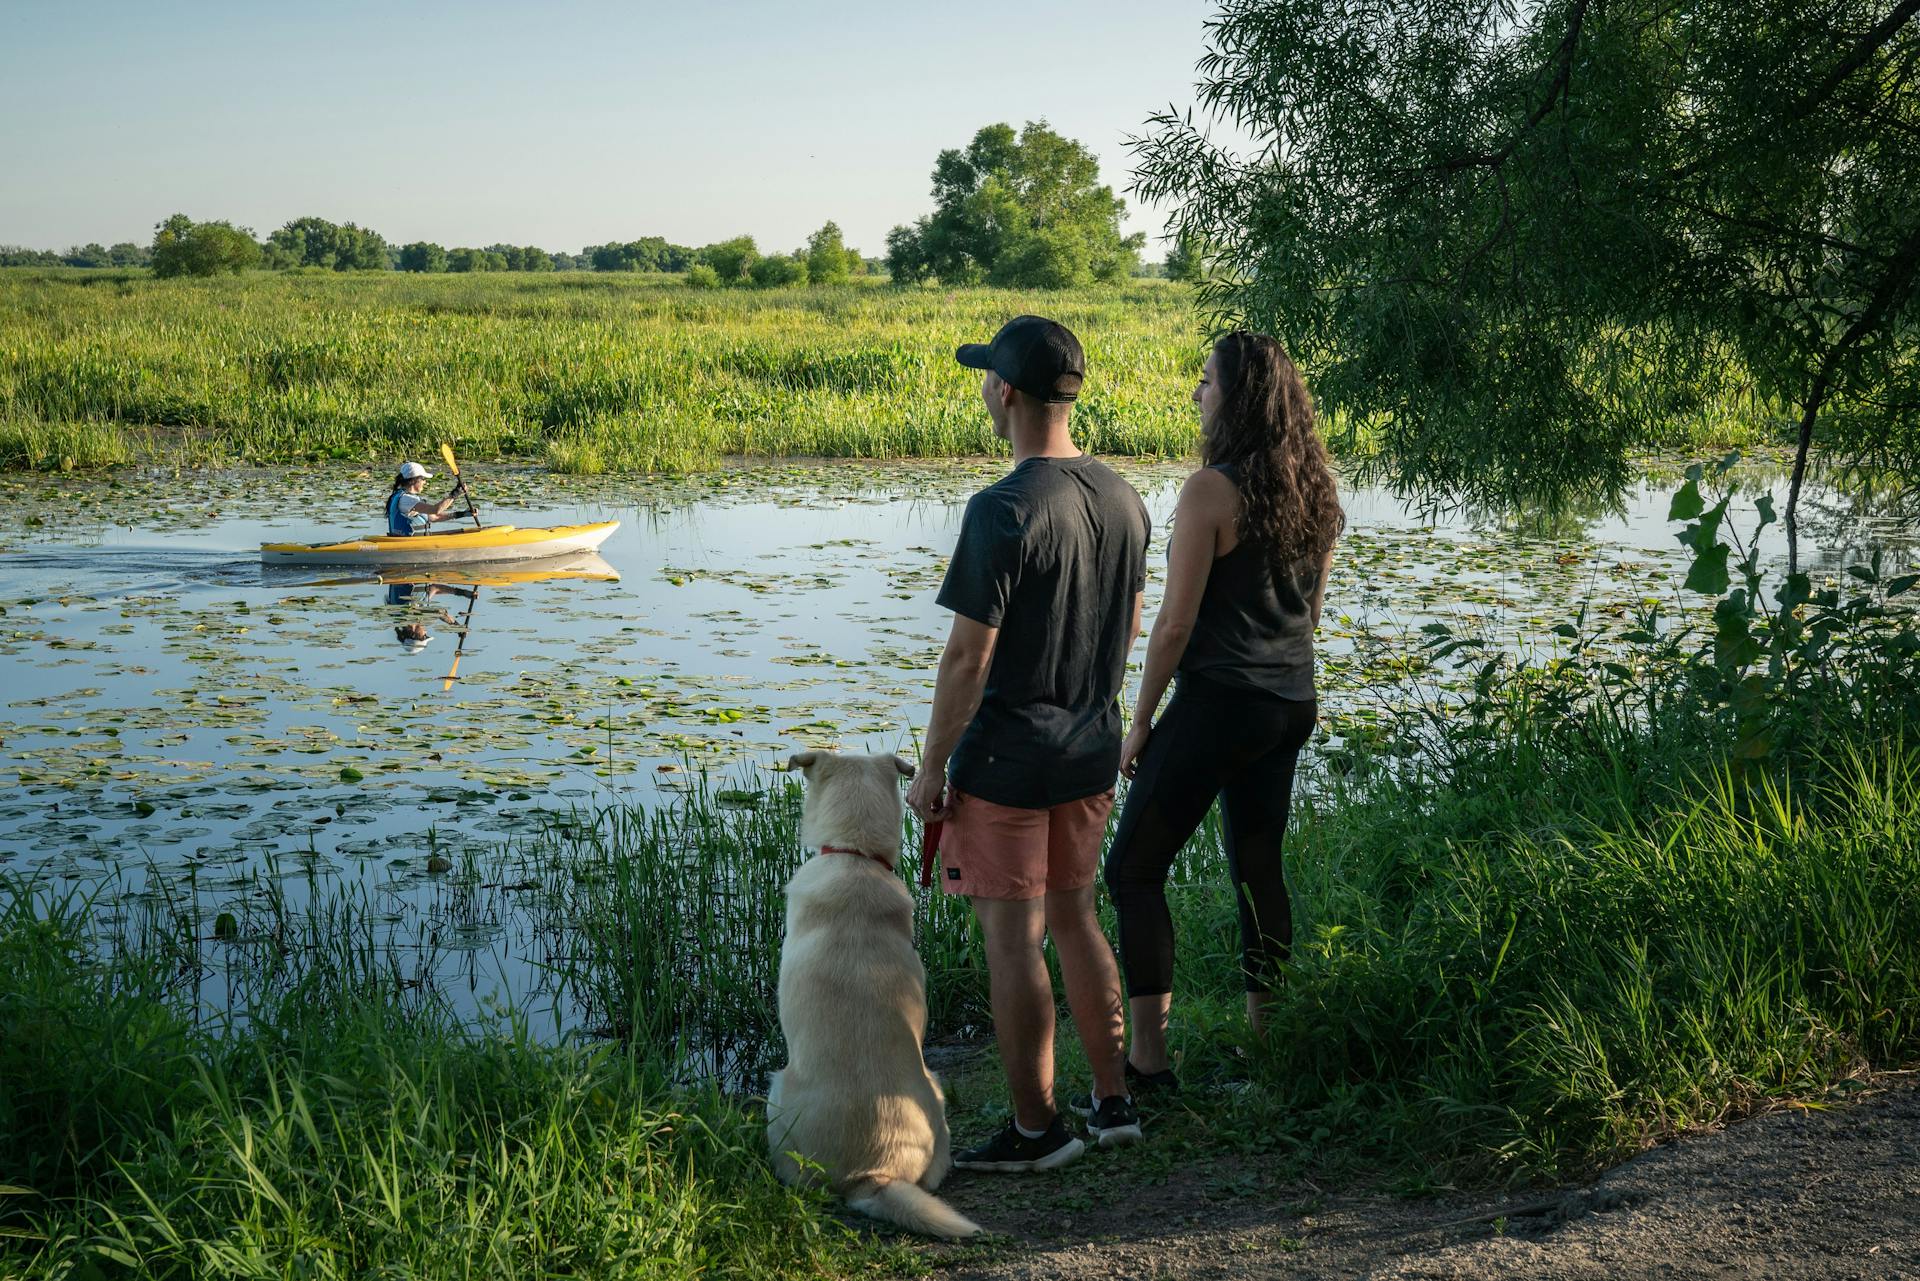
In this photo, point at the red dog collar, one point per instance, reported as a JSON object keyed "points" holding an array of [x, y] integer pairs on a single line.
{"points": [[843, 849]]}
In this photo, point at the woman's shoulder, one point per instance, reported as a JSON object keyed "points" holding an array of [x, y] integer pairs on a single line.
{"points": [[1211, 487]]}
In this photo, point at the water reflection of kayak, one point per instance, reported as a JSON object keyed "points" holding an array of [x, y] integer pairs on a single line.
{"points": [[495, 543], [589, 567]]}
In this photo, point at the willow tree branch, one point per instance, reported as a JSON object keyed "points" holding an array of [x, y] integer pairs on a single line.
{"points": [[1562, 77], [1902, 266]]}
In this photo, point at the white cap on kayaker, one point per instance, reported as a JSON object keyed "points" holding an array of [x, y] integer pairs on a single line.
{"points": [[414, 471]]}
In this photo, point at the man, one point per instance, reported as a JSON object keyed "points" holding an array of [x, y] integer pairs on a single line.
{"points": [[1045, 586]]}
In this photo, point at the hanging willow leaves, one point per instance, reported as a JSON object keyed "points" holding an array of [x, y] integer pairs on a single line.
{"points": [[1512, 244]]}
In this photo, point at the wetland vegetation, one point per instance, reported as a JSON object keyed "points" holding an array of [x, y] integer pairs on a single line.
{"points": [[584, 372]]}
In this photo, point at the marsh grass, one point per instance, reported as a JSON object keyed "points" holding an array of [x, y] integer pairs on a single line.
{"points": [[586, 373]]}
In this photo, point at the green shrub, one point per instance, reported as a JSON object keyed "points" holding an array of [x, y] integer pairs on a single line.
{"points": [[779, 270]]}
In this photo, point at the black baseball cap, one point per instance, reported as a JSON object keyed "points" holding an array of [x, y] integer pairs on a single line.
{"points": [[1039, 356]]}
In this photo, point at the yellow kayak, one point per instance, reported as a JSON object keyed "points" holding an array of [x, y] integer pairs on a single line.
{"points": [[467, 547]]}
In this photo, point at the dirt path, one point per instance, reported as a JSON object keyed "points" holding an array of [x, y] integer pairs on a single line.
{"points": [[1801, 1192]]}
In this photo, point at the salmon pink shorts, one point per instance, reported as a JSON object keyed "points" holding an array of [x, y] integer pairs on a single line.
{"points": [[1001, 852]]}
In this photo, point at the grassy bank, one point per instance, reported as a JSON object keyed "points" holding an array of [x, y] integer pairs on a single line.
{"points": [[587, 373], [346, 1132], [1605, 899]]}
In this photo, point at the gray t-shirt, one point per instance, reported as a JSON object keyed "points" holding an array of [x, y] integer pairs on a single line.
{"points": [[1052, 555]]}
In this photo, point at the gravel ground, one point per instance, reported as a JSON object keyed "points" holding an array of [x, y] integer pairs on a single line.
{"points": [[1797, 1192]]}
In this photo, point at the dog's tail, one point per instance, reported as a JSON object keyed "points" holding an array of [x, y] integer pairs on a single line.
{"points": [[909, 1206]]}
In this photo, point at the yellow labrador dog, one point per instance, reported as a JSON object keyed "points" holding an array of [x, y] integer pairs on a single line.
{"points": [[856, 1099]]}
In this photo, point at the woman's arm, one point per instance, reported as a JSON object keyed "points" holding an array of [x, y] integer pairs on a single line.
{"points": [[1205, 508], [1320, 587]]}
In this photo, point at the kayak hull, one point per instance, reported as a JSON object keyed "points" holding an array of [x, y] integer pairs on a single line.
{"points": [[493, 545]]}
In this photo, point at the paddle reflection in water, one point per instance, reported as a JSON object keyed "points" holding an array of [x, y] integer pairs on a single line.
{"points": [[413, 589]]}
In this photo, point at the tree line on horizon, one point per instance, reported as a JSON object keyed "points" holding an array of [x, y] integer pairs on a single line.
{"points": [[183, 247], [1022, 209]]}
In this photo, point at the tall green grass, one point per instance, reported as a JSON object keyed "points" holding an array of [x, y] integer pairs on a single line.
{"points": [[585, 372], [343, 1134], [672, 921]]}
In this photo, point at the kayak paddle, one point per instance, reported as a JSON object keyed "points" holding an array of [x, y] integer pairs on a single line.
{"points": [[446, 452]]}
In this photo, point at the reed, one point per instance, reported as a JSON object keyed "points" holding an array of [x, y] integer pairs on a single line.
{"points": [[584, 372]]}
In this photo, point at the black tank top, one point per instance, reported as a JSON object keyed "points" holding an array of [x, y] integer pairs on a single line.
{"points": [[1255, 626]]}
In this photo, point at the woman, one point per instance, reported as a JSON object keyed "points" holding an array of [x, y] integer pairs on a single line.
{"points": [[1247, 564], [407, 503]]}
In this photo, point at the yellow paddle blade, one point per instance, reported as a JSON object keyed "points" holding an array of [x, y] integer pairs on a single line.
{"points": [[451, 676], [446, 452]]}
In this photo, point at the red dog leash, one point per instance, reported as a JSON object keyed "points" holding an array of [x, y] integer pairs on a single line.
{"points": [[929, 849]]}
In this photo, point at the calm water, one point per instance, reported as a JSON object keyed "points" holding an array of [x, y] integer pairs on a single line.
{"points": [[177, 723]]}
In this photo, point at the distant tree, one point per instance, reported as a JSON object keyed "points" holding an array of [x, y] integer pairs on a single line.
{"points": [[465, 259], [423, 255], [731, 260], [1518, 240], [127, 254], [1185, 261], [856, 264], [677, 258], [701, 276], [906, 254], [827, 255], [1021, 210], [1045, 258], [648, 253], [20, 256], [88, 256], [316, 242], [522, 257], [609, 258], [777, 270], [183, 247]]}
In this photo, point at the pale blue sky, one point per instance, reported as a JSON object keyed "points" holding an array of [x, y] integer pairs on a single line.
{"points": [[560, 124]]}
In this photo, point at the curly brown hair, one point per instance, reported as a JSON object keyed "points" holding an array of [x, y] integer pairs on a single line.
{"points": [[1289, 504]]}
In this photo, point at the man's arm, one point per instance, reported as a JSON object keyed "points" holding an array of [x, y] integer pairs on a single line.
{"points": [[956, 697]]}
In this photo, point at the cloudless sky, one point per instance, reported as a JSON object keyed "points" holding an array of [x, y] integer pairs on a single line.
{"points": [[558, 125]]}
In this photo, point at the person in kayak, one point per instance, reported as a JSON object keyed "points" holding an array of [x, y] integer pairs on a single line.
{"points": [[408, 503]]}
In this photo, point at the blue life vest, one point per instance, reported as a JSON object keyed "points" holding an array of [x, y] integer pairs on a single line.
{"points": [[397, 522]]}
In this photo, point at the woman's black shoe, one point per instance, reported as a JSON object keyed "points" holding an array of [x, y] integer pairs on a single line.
{"points": [[1161, 1082]]}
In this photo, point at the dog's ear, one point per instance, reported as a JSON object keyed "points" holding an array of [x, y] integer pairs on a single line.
{"points": [[802, 760], [904, 765]]}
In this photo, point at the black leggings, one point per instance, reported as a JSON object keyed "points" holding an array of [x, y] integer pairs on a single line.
{"points": [[1213, 740]]}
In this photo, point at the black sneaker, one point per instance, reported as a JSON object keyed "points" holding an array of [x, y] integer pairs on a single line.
{"points": [[1114, 1122], [1161, 1082], [1011, 1152]]}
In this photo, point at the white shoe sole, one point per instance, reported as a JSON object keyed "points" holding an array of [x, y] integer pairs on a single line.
{"points": [[1117, 1136], [1064, 1154]]}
